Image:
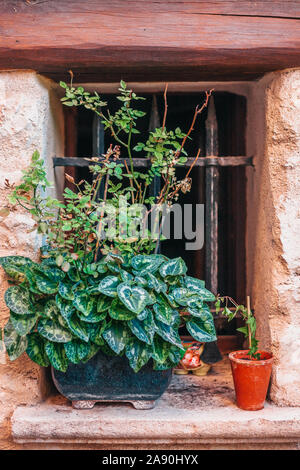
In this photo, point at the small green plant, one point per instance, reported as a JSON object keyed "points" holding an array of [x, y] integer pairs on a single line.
{"points": [[223, 305]]}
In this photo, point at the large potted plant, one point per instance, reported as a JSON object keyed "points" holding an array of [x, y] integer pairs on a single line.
{"points": [[251, 368], [102, 306]]}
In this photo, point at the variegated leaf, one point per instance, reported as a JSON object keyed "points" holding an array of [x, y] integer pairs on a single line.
{"points": [[51, 309], [46, 285], [138, 354], [23, 324], [116, 336], [65, 307], [96, 331], [108, 286], [202, 331], [202, 312], [165, 313], [73, 275], [156, 284], [126, 276], [17, 300], [147, 263], [57, 355], [143, 314], [84, 302], [16, 260], [134, 298], [118, 311], [92, 317], [103, 303], [52, 272], [66, 290], [93, 351], [14, 343], [138, 329], [192, 283], [36, 349], [173, 267], [161, 349], [141, 281], [79, 329], [168, 364], [205, 295], [76, 350], [168, 333], [53, 331]]}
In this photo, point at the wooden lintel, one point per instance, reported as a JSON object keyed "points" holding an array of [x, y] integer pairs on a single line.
{"points": [[147, 40]]}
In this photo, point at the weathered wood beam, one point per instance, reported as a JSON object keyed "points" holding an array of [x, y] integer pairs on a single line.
{"points": [[144, 162], [149, 40]]}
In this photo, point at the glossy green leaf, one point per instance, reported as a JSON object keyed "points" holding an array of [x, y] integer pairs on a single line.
{"points": [[156, 284], [46, 285], [51, 309], [108, 286], [23, 324], [57, 355], [164, 312], [95, 332], [138, 329], [135, 298], [66, 290], [14, 343], [17, 300], [93, 351], [118, 311], [103, 303], [36, 350], [146, 263], [161, 349], [202, 331], [84, 302], [76, 350], [202, 312], [173, 267], [79, 329], [53, 331], [116, 336], [65, 307], [92, 317], [73, 275], [138, 354], [143, 314], [192, 283], [168, 333], [126, 276]]}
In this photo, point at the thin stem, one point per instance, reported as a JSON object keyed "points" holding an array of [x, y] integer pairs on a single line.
{"points": [[166, 107], [249, 315]]}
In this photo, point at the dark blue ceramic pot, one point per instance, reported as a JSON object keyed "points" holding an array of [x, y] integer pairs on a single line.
{"points": [[111, 379]]}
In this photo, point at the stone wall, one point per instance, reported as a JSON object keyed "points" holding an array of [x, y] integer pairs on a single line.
{"points": [[274, 226], [30, 118]]}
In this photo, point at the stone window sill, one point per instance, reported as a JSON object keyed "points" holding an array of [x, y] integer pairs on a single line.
{"points": [[194, 413]]}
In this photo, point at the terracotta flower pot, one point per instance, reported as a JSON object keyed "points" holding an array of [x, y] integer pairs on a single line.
{"points": [[251, 378]]}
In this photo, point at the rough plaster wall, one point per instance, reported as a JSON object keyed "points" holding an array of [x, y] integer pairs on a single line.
{"points": [[274, 227], [30, 118]]}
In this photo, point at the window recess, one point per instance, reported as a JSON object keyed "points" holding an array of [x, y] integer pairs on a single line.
{"points": [[218, 176]]}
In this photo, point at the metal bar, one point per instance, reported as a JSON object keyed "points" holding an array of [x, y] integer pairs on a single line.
{"points": [[154, 123], [145, 162], [211, 200], [98, 146], [155, 187]]}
